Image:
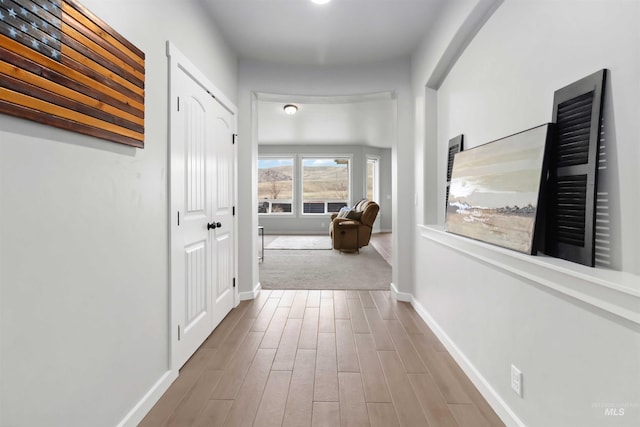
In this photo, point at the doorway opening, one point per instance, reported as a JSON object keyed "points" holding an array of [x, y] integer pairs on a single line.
{"points": [[334, 152]]}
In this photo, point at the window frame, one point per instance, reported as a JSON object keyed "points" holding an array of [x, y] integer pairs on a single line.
{"points": [[292, 201], [302, 158], [376, 177]]}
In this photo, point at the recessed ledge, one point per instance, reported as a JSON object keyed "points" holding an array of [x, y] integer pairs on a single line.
{"points": [[612, 291]]}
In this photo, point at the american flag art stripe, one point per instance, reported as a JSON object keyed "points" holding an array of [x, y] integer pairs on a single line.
{"points": [[62, 66]]}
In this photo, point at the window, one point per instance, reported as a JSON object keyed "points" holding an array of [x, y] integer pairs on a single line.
{"points": [[275, 185], [325, 184], [373, 179]]}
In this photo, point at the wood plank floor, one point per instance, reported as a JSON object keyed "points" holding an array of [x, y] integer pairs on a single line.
{"points": [[322, 358], [381, 242]]}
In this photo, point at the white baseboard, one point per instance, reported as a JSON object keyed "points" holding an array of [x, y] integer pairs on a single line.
{"points": [[383, 230], [400, 296], [486, 390], [251, 294], [142, 408]]}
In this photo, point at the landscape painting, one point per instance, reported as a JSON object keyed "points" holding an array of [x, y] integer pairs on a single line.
{"points": [[495, 191]]}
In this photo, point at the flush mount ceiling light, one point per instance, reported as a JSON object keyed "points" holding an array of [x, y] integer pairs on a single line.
{"points": [[290, 109], [320, 1]]}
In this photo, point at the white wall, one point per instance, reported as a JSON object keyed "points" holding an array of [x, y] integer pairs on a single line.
{"points": [[83, 254], [328, 121], [392, 76], [579, 354], [457, 24], [319, 224]]}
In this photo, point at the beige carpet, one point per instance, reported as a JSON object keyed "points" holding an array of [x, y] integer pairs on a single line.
{"points": [[313, 269], [300, 242]]}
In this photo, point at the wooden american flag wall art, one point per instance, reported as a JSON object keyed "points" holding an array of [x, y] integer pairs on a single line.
{"points": [[62, 66]]}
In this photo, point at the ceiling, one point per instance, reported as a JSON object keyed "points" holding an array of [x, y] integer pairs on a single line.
{"points": [[340, 32], [337, 121]]}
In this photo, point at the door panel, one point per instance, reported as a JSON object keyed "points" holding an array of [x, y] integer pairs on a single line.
{"points": [[202, 194], [222, 208], [224, 265], [194, 113], [196, 310], [191, 251], [195, 285]]}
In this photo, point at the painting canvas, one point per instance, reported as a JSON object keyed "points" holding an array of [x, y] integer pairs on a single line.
{"points": [[495, 194]]}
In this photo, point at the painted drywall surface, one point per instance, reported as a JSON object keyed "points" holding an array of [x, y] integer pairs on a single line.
{"points": [[487, 100], [84, 269], [428, 54], [576, 359], [259, 77], [365, 121], [457, 24], [386, 192], [301, 224]]}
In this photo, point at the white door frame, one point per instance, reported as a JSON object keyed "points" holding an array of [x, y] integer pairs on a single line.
{"points": [[178, 61]]}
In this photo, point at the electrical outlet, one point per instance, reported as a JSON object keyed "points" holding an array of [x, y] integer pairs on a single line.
{"points": [[322, 224], [516, 380]]}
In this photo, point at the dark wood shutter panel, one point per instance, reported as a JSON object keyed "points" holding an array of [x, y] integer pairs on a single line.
{"points": [[573, 176], [571, 198], [456, 145]]}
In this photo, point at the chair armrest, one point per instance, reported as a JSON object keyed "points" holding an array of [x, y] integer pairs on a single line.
{"points": [[346, 221]]}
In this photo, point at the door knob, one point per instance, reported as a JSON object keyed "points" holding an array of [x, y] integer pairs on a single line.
{"points": [[213, 225]]}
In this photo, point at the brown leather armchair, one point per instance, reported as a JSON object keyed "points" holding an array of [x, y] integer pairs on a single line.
{"points": [[363, 215]]}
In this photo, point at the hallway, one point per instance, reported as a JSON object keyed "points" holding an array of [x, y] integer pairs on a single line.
{"points": [[322, 358]]}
